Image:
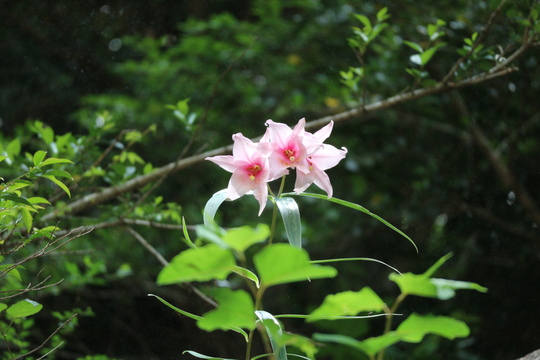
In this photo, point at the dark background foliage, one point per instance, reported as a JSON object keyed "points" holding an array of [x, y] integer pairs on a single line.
{"points": [[418, 165]]}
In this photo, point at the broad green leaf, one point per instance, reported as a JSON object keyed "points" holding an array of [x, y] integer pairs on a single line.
{"points": [[2, 158], [213, 205], [241, 238], [364, 20], [51, 161], [413, 284], [14, 147], [370, 346], [427, 55], [446, 289], [282, 263], [348, 303], [24, 308], [38, 157], [235, 309], [13, 272], [291, 219], [38, 200], [356, 207], [274, 332], [201, 264], [47, 134], [383, 14], [27, 219], [415, 327], [57, 182], [424, 285], [201, 356], [3, 307]]}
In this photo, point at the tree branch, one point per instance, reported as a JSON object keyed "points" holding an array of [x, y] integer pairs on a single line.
{"points": [[110, 193]]}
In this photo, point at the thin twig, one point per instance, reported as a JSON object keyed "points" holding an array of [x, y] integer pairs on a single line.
{"points": [[47, 339], [164, 262], [147, 246], [478, 41], [30, 288], [141, 222]]}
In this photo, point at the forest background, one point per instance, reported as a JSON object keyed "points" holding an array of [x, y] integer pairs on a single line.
{"points": [[105, 85]]}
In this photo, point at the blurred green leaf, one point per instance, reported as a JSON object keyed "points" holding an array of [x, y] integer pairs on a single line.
{"points": [[241, 238], [38, 157], [24, 308]]}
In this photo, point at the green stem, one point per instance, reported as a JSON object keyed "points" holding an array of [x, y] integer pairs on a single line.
{"points": [[274, 213], [258, 304], [389, 317]]}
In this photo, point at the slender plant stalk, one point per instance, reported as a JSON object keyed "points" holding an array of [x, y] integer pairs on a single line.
{"points": [[258, 304], [274, 213], [389, 317]]}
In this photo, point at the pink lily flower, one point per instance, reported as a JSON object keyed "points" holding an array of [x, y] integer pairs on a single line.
{"points": [[325, 157], [286, 148], [249, 168]]}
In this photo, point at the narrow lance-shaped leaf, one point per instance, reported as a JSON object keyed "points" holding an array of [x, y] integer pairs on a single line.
{"points": [[355, 207], [178, 310], [274, 332], [51, 161], [187, 238], [201, 356], [291, 220], [15, 199], [213, 205], [58, 182]]}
